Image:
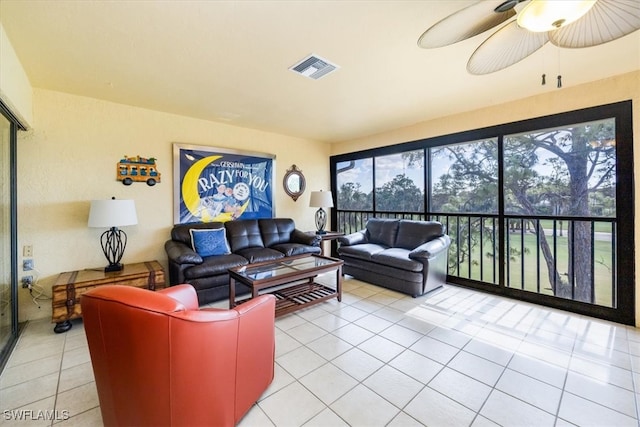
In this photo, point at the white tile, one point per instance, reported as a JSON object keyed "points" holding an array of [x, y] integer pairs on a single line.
{"points": [[328, 383], [326, 418], [381, 348], [255, 418], [390, 314], [329, 322], [281, 379], [393, 385], [285, 343], [461, 388], [432, 408], [602, 372], [530, 390], [76, 376], [417, 366], [289, 321], [357, 363], [542, 371], [329, 346], [450, 336], [79, 399], [300, 361], [349, 313], [29, 391], [509, 411], [373, 323], [292, 406], [546, 354], [353, 334], [401, 335], [404, 420], [363, 407], [608, 395], [306, 332], [17, 374], [476, 367], [582, 412], [488, 351], [90, 418], [434, 349]]}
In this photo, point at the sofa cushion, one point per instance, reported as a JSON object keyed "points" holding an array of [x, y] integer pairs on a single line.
{"points": [[275, 230], [412, 234], [214, 265], [291, 249], [382, 231], [398, 258], [257, 254], [210, 242], [243, 234], [362, 251], [182, 232]]}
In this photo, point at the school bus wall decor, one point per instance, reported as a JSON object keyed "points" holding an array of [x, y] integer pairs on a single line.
{"points": [[137, 169]]}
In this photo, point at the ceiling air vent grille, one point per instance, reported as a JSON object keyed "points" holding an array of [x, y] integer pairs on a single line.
{"points": [[314, 67]]}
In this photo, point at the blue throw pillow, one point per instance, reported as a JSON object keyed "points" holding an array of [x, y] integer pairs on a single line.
{"points": [[210, 242]]}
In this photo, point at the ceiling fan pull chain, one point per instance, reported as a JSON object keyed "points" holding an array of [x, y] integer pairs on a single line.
{"points": [[559, 81], [544, 79]]}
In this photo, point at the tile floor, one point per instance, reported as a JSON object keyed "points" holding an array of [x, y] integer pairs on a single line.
{"points": [[454, 357]]}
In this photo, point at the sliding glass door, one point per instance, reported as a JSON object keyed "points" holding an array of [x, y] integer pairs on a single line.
{"points": [[8, 274]]}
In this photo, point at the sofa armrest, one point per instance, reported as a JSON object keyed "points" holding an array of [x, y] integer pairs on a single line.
{"points": [[184, 294], [181, 253], [353, 238], [299, 236], [431, 249]]}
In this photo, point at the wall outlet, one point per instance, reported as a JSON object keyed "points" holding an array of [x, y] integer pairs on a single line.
{"points": [[27, 251], [27, 264], [27, 281]]}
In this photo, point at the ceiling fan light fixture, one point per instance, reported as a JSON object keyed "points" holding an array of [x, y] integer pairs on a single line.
{"points": [[549, 15]]}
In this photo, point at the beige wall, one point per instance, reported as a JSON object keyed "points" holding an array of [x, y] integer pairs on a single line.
{"points": [[69, 158], [615, 89]]}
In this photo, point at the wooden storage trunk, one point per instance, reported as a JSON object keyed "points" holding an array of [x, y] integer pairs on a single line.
{"points": [[69, 287]]}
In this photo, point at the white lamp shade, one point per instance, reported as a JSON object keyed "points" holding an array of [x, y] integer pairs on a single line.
{"points": [[549, 15], [321, 199], [112, 213]]}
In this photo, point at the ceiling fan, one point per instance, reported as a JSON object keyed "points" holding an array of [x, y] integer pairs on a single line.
{"points": [[565, 23]]}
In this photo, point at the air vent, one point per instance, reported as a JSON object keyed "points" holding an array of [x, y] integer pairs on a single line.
{"points": [[314, 67]]}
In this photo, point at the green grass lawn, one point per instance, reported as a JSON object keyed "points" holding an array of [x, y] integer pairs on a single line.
{"points": [[527, 266]]}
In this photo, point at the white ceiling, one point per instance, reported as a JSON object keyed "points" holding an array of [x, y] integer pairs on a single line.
{"points": [[228, 61]]}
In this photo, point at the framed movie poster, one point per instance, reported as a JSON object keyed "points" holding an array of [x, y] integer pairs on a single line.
{"points": [[214, 184]]}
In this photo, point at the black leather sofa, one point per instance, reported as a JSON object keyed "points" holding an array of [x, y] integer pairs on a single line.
{"points": [[250, 241], [406, 256]]}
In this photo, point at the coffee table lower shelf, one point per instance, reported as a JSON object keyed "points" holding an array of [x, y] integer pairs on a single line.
{"points": [[295, 297]]}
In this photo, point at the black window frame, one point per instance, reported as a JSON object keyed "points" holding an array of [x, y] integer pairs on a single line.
{"points": [[622, 112]]}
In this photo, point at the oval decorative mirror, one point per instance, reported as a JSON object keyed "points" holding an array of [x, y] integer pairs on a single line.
{"points": [[294, 182]]}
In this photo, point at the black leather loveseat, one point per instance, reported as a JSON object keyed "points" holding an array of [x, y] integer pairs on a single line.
{"points": [[249, 241], [406, 256]]}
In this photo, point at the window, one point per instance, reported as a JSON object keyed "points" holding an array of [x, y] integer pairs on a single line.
{"points": [[540, 210]]}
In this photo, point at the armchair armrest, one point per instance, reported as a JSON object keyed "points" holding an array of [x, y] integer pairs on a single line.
{"points": [[181, 253], [184, 294], [353, 238], [299, 236], [431, 248]]}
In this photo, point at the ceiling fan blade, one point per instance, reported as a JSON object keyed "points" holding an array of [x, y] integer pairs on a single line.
{"points": [[465, 23], [607, 20], [505, 47]]}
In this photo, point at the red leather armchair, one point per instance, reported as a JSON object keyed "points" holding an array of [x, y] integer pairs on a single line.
{"points": [[159, 360]]}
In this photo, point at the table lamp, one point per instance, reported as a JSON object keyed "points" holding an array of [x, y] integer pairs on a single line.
{"points": [[321, 199], [112, 214]]}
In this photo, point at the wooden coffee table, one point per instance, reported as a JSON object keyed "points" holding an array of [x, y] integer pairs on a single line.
{"points": [[292, 280]]}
